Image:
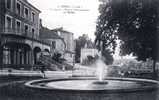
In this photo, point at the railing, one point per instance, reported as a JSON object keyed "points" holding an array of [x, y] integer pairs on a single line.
{"points": [[49, 64], [60, 66], [17, 66], [13, 31], [21, 32], [50, 61], [68, 66]]}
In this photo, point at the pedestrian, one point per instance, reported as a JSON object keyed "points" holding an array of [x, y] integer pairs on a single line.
{"points": [[42, 69]]}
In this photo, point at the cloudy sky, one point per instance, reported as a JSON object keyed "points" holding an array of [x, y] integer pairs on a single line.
{"points": [[77, 16]]}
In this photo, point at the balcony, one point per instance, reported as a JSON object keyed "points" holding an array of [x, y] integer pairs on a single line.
{"points": [[22, 33], [13, 31]]}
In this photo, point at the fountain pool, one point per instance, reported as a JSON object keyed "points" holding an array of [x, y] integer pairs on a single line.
{"points": [[96, 88], [88, 84]]}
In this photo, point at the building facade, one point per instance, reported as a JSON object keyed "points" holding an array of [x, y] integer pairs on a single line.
{"points": [[19, 32], [88, 50], [69, 42], [58, 44]]}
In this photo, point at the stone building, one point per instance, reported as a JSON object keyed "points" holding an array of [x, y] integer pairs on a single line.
{"points": [[58, 44], [69, 42], [88, 50], [19, 34]]}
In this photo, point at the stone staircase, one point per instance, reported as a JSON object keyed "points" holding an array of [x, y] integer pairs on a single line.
{"points": [[53, 65], [50, 65]]}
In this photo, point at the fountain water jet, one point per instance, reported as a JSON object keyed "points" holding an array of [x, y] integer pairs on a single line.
{"points": [[101, 72]]}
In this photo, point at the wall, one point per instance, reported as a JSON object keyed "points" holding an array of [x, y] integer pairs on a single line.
{"points": [[69, 51], [68, 38], [85, 52], [2, 11], [34, 44], [24, 21], [59, 46]]}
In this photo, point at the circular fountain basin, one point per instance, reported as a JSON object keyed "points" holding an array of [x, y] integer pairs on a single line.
{"points": [[92, 89], [109, 85]]}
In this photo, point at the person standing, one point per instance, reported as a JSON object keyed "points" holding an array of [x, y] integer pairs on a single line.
{"points": [[42, 69]]}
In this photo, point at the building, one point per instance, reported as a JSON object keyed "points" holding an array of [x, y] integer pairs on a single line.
{"points": [[58, 44], [88, 50], [69, 42], [19, 33]]}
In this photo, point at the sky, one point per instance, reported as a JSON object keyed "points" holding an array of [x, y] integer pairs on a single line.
{"points": [[76, 16]]}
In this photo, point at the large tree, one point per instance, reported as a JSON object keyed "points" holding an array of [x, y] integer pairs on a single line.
{"points": [[134, 22]]}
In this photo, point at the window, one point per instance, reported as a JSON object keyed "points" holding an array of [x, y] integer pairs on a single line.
{"points": [[53, 44], [18, 7], [18, 26], [33, 32], [26, 12], [33, 16], [8, 4], [26, 29], [8, 23]]}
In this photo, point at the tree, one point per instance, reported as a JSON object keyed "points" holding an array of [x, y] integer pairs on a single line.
{"points": [[105, 30], [106, 34], [57, 56], [80, 43], [108, 57], [134, 22]]}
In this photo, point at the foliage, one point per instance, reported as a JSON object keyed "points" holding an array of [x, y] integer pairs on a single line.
{"points": [[80, 43], [134, 22], [105, 32], [57, 57], [90, 60], [108, 57]]}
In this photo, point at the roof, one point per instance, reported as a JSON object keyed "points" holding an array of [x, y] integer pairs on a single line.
{"points": [[26, 1], [67, 51], [45, 33], [61, 30], [89, 44]]}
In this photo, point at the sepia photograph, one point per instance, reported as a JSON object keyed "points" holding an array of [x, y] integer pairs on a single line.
{"points": [[79, 49]]}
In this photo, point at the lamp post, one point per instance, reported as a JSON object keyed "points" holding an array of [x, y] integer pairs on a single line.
{"points": [[32, 51], [1, 51], [1, 32]]}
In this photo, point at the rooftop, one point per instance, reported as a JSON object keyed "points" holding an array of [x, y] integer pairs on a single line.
{"points": [[45, 33], [26, 1], [61, 30]]}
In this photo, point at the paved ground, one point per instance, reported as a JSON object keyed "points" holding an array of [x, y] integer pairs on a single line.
{"points": [[78, 70], [49, 74], [12, 79]]}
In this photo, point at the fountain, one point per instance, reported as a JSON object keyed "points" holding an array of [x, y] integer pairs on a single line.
{"points": [[101, 72], [88, 88]]}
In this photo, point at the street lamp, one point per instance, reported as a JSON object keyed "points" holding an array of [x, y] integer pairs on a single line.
{"points": [[1, 51], [32, 51]]}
